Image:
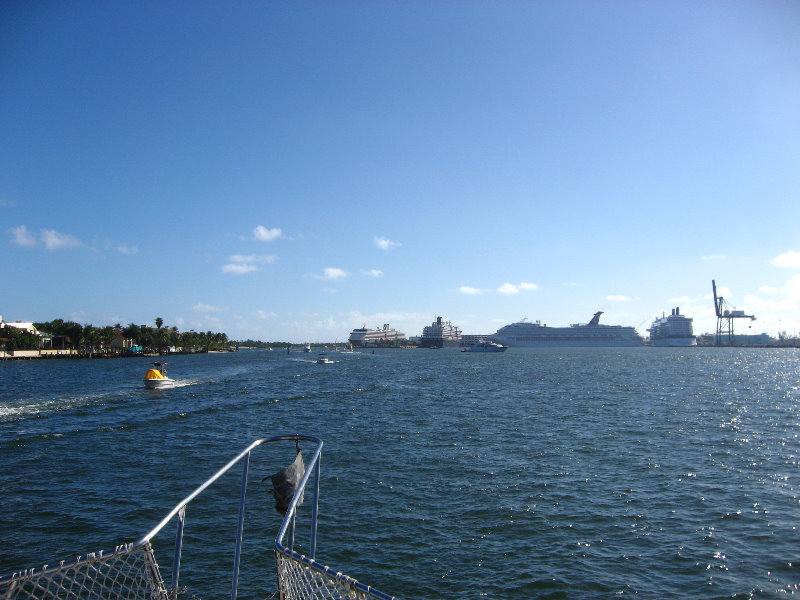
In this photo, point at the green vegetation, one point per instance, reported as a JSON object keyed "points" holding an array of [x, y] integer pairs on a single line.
{"points": [[68, 335]]}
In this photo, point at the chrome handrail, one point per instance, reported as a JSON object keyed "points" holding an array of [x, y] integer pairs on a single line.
{"points": [[180, 508], [284, 540]]}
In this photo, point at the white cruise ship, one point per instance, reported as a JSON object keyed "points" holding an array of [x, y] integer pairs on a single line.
{"points": [[672, 330], [362, 337], [440, 334], [536, 335]]}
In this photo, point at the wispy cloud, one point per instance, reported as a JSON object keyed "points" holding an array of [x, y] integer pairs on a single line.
{"points": [[23, 237], [241, 264], [618, 298], [384, 243], [53, 240], [331, 273], [372, 272], [207, 308], [510, 288], [788, 260], [470, 291], [262, 234], [129, 250], [239, 268], [261, 314], [714, 257], [767, 289]]}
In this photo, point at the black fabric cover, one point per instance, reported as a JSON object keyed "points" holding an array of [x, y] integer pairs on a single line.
{"points": [[285, 482]]}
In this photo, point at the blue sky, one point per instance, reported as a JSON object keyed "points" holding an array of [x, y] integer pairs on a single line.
{"points": [[292, 170]]}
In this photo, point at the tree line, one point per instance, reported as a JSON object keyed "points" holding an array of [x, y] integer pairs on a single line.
{"points": [[74, 336]]}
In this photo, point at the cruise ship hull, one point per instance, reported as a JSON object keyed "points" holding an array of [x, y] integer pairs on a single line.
{"points": [[592, 335], [568, 343], [440, 334], [674, 342], [439, 343], [673, 331]]}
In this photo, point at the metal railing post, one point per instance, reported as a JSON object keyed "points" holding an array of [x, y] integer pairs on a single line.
{"points": [[240, 530], [314, 509], [176, 562]]}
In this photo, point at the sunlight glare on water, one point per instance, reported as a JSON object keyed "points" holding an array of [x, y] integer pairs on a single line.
{"points": [[667, 473]]}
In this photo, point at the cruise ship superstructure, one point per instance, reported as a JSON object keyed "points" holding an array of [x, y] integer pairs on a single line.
{"points": [[440, 334], [537, 335], [672, 330], [363, 337]]}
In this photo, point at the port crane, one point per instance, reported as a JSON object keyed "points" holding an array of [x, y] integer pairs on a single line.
{"points": [[725, 317]]}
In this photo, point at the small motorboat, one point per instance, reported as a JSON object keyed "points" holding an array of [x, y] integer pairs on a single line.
{"points": [[307, 348], [156, 378], [486, 347], [322, 359]]}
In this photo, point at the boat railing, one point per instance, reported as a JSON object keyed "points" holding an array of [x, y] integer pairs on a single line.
{"points": [[130, 571]]}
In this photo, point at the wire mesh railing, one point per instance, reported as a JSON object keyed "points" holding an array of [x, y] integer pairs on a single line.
{"points": [[130, 572]]}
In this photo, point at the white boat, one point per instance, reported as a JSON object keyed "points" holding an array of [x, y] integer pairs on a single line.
{"points": [[536, 335], [363, 337], [307, 348], [322, 359], [440, 334], [156, 378], [674, 330], [485, 347]]}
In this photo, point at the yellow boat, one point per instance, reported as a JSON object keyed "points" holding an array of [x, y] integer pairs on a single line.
{"points": [[156, 378]]}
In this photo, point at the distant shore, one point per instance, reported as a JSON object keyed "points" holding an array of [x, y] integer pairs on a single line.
{"points": [[79, 354]]}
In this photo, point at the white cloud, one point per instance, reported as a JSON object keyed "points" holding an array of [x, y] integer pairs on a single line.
{"points": [[618, 298], [529, 287], [23, 237], [384, 243], [331, 273], [714, 257], [508, 289], [470, 291], [788, 260], [253, 258], [239, 268], [129, 250], [265, 315], [262, 234], [793, 287], [202, 307], [372, 272], [53, 240], [766, 289], [757, 305], [241, 264]]}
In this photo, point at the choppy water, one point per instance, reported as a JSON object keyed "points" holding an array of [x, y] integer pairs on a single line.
{"points": [[656, 472]]}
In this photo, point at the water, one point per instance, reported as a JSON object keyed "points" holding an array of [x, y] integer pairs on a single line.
{"points": [[655, 472]]}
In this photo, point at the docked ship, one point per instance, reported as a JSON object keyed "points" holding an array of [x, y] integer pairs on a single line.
{"points": [[537, 335], [363, 337], [440, 334], [672, 330]]}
